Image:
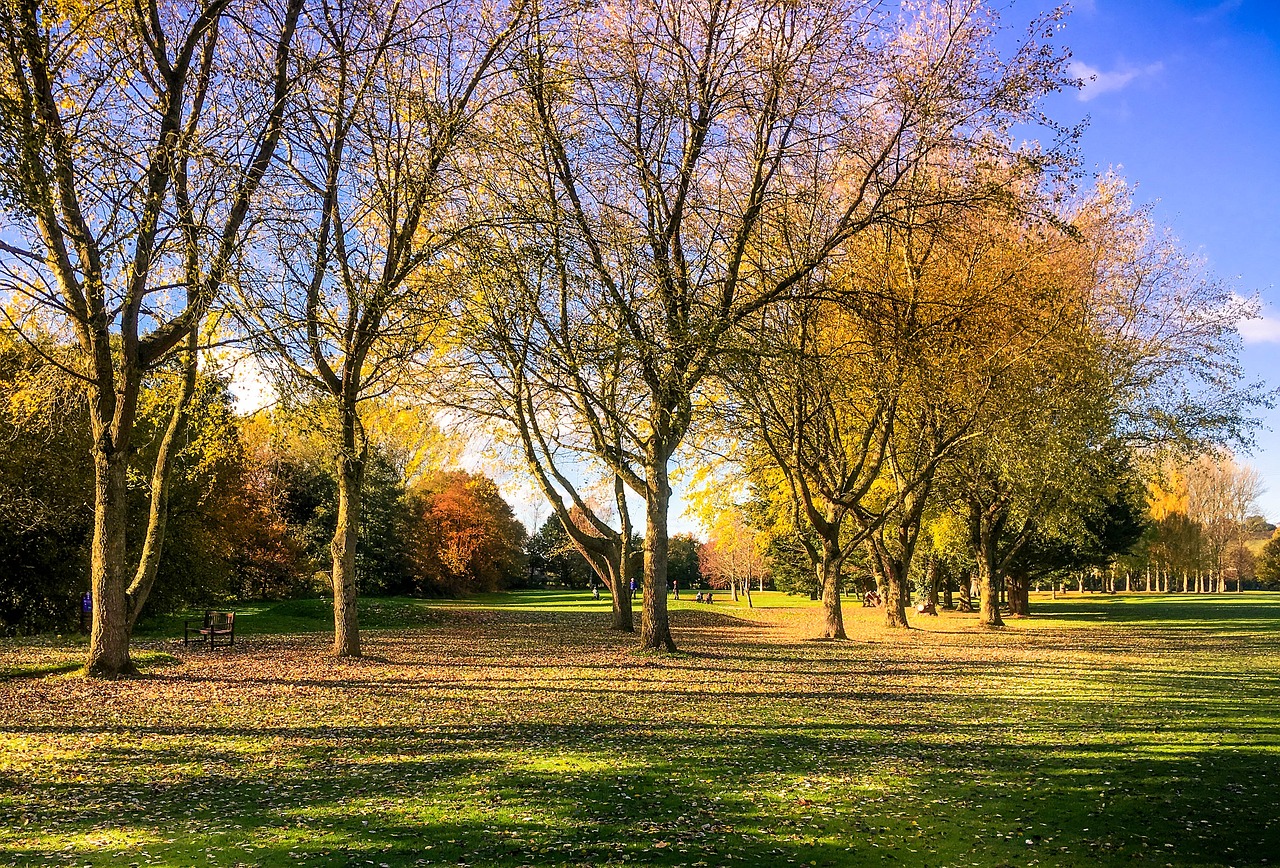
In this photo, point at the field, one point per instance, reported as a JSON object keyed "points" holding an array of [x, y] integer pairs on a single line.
{"points": [[516, 730]]}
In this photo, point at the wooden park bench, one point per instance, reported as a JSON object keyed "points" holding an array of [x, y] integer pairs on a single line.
{"points": [[215, 626]]}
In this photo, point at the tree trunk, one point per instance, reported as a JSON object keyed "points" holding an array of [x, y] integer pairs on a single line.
{"points": [[620, 591], [351, 463], [966, 594], [158, 513], [655, 628], [895, 611], [933, 575], [829, 581], [1019, 595], [109, 635], [988, 588]]}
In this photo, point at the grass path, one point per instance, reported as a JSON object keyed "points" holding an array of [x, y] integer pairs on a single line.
{"points": [[1104, 731]]}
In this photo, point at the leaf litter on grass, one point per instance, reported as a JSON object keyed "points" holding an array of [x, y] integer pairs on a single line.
{"points": [[513, 737]]}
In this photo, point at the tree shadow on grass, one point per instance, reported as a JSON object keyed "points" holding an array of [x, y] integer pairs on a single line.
{"points": [[587, 794]]}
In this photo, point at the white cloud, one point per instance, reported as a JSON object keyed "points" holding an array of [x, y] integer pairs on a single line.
{"points": [[1098, 82], [1261, 329]]}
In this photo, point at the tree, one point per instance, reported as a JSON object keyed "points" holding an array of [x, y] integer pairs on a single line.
{"points": [[513, 350], [670, 157], [45, 490], [683, 566], [552, 555], [135, 139], [224, 535], [733, 555], [340, 297], [463, 536], [1268, 564], [1220, 493]]}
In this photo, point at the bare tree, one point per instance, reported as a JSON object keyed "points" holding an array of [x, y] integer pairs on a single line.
{"points": [[370, 210], [516, 351], [135, 138], [1220, 494]]}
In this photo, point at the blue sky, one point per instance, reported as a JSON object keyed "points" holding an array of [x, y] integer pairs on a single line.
{"points": [[1186, 105]]}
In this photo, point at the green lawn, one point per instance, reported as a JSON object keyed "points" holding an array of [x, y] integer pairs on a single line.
{"points": [[516, 730]]}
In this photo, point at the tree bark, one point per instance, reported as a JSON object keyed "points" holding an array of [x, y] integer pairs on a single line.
{"points": [[829, 581], [895, 611], [1019, 595], [988, 586], [655, 628], [350, 467], [985, 527], [109, 634], [620, 591], [158, 514]]}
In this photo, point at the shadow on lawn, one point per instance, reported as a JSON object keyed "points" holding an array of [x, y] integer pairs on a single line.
{"points": [[1212, 612], [587, 794], [849, 762]]}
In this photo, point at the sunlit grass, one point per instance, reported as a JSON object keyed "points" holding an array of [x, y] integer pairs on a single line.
{"points": [[518, 730]]}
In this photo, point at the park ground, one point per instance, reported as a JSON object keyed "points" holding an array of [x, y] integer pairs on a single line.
{"points": [[517, 730]]}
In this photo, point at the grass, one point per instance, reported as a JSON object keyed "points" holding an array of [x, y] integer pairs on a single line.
{"points": [[516, 730]]}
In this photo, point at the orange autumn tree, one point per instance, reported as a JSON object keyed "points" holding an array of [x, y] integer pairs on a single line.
{"points": [[463, 537]]}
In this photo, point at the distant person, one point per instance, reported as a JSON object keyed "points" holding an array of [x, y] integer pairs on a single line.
{"points": [[595, 591], [699, 597], [675, 588], [633, 589], [709, 599]]}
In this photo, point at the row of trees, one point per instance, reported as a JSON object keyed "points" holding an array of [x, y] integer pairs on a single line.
{"points": [[609, 233]]}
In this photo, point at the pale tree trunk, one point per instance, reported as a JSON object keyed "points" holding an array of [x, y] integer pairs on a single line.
{"points": [[655, 628], [829, 581], [158, 514], [933, 575], [109, 634], [350, 467]]}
